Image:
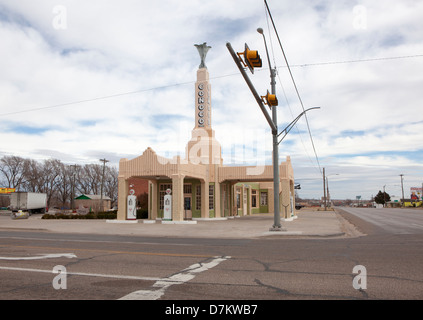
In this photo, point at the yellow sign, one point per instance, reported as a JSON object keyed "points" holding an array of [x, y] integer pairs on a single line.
{"points": [[7, 190]]}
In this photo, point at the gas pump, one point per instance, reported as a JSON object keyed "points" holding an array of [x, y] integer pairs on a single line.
{"points": [[167, 212], [131, 213]]}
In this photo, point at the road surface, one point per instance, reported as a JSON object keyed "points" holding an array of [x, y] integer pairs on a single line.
{"points": [[391, 220], [46, 266]]}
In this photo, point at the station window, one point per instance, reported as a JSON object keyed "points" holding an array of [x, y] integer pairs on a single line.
{"points": [[211, 197], [187, 188], [254, 198], [263, 198], [198, 197], [162, 189]]}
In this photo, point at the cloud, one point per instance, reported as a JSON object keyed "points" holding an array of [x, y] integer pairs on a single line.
{"points": [[120, 78]]}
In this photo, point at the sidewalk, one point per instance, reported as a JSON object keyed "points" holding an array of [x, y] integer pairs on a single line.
{"points": [[309, 223]]}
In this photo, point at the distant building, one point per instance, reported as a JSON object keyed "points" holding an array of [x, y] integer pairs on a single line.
{"points": [[93, 202]]}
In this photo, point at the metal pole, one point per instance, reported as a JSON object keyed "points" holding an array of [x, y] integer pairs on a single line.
{"points": [[324, 188], [277, 217], [102, 182], [402, 188], [73, 166], [327, 192], [273, 125], [384, 198]]}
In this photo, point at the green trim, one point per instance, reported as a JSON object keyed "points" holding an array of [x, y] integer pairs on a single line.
{"points": [[83, 197], [265, 208]]}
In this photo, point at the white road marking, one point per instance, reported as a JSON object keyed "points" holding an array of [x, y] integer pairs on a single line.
{"points": [[43, 256], [100, 241], [161, 283], [179, 278], [84, 274]]}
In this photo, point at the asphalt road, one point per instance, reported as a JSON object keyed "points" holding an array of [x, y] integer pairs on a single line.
{"points": [[391, 220], [107, 267]]}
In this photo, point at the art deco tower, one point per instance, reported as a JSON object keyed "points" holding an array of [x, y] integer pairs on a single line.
{"points": [[203, 148]]}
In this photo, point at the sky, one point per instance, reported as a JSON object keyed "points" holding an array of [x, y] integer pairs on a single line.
{"points": [[86, 80]]}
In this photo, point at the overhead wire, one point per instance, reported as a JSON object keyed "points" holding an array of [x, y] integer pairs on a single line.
{"points": [[281, 84], [211, 78], [295, 85]]}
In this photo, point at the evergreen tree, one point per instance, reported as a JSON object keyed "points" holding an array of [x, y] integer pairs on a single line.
{"points": [[382, 198]]}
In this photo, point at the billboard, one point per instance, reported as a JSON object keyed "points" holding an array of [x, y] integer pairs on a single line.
{"points": [[7, 190], [416, 193]]}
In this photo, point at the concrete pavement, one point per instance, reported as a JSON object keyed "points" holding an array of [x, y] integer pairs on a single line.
{"points": [[309, 223]]}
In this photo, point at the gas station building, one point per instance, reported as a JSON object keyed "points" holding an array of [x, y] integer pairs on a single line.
{"points": [[201, 186]]}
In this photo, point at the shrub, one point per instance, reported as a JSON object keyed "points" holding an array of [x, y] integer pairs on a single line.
{"points": [[142, 214], [99, 215]]}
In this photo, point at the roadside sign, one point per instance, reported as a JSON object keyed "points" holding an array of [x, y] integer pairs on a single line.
{"points": [[7, 190]]}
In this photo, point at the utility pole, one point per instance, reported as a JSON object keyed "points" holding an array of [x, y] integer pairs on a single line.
{"points": [[402, 188], [324, 189], [73, 166], [252, 60], [327, 193], [102, 182], [273, 125], [277, 218], [384, 197]]}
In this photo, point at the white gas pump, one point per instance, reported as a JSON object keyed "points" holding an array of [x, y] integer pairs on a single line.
{"points": [[167, 210], [131, 213]]}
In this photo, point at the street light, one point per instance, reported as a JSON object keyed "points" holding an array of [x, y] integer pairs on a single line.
{"points": [[277, 219], [384, 198], [402, 188], [271, 101], [327, 185]]}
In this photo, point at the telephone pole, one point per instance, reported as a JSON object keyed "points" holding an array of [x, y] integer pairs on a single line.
{"points": [[402, 188], [102, 182], [324, 189], [73, 166]]}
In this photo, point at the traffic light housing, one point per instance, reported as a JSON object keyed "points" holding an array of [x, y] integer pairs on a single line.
{"points": [[270, 99], [251, 59]]}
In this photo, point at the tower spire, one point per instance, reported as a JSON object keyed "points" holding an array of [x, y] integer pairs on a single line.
{"points": [[203, 147]]}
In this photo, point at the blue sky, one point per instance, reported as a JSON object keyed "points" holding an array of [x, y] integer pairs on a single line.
{"points": [[84, 80]]}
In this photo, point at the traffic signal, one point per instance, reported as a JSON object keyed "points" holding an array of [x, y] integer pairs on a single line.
{"points": [[251, 58], [270, 99]]}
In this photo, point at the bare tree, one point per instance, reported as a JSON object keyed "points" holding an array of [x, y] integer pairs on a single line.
{"points": [[89, 179], [33, 176], [111, 183], [13, 171], [56, 179], [64, 184], [50, 174]]}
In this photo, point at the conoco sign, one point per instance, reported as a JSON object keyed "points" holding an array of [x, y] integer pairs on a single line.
{"points": [[203, 106]]}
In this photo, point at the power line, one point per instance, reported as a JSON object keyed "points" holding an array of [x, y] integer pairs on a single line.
{"points": [[94, 99], [355, 61], [295, 85], [290, 110], [216, 77]]}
